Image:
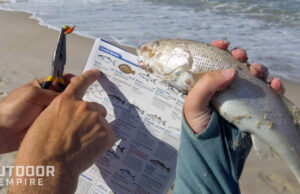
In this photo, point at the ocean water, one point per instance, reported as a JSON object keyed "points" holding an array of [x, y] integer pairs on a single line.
{"points": [[269, 30]]}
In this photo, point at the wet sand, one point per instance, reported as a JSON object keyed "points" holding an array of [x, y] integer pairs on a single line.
{"points": [[26, 50]]}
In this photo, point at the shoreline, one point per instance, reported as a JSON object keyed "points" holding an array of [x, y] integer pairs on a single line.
{"points": [[41, 22], [26, 52]]}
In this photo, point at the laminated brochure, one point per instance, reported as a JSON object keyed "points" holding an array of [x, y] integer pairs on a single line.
{"points": [[145, 114]]}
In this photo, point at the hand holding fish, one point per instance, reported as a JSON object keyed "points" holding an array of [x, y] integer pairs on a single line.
{"points": [[196, 109]]}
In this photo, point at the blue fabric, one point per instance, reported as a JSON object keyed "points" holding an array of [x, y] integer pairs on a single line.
{"points": [[211, 162]]}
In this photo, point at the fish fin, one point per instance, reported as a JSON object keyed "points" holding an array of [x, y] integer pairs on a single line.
{"points": [[293, 110], [263, 151]]}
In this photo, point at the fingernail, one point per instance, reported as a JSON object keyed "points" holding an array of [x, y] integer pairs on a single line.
{"points": [[228, 73]]}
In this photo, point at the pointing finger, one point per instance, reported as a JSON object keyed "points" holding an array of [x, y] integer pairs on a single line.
{"points": [[79, 84]]}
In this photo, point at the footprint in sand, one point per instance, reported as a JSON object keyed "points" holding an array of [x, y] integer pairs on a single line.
{"points": [[277, 183]]}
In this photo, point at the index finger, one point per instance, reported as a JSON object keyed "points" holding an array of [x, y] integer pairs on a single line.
{"points": [[79, 84]]}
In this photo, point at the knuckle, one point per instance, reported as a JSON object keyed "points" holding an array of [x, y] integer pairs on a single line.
{"points": [[101, 133], [105, 134], [32, 90], [36, 82], [83, 105], [77, 79], [94, 117], [63, 97], [104, 128], [103, 110]]}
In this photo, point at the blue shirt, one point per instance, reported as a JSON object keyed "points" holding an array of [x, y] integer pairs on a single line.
{"points": [[211, 162]]}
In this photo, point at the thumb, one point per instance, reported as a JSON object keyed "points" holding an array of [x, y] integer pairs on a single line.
{"points": [[199, 97]]}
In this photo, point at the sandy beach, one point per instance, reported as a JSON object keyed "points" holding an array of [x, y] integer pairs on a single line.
{"points": [[26, 50]]}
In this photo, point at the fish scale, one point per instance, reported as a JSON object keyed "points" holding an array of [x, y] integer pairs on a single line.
{"points": [[249, 103]]}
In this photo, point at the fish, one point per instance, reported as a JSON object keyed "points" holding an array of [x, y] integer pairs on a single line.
{"points": [[127, 173], [107, 59], [147, 77], [160, 164], [156, 118], [134, 107], [117, 98], [112, 155], [126, 69], [249, 103], [121, 148]]}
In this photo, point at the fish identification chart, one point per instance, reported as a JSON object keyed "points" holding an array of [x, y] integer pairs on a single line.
{"points": [[145, 114]]}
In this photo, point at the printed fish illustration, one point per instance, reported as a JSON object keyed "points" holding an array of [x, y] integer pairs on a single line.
{"points": [[127, 174], [156, 118], [160, 164], [126, 69], [112, 155], [176, 91], [147, 77], [121, 148], [117, 98], [137, 108], [249, 103], [107, 59]]}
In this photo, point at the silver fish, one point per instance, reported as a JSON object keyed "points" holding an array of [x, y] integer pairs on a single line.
{"points": [[248, 103]]}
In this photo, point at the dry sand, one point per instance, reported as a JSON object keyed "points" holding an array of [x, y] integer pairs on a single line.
{"points": [[26, 50]]}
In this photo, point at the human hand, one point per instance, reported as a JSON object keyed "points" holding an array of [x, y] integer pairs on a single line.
{"points": [[196, 108], [69, 134], [20, 108]]}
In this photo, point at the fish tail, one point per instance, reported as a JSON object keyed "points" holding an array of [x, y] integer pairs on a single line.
{"points": [[133, 72]]}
